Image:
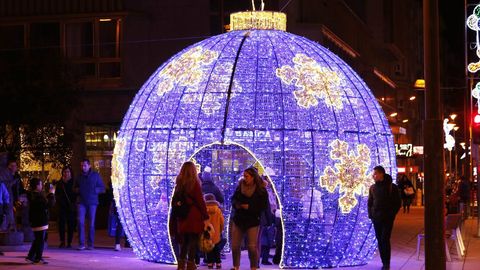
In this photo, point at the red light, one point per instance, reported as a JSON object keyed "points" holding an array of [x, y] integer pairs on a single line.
{"points": [[476, 119]]}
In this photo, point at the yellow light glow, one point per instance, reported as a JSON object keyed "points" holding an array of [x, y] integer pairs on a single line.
{"points": [[413, 97], [118, 170], [456, 128], [474, 67], [393, 114], [105, 20], [453, 116], [419, 84], [405, 121], [258, 20], [350, 173]]}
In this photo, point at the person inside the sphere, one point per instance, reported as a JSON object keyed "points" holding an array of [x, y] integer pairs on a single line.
{"points": [[383, 205], [248, 201], [217, 220]]}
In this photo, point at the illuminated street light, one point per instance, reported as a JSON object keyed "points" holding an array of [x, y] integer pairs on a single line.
{"points": [[393, 114], [413, 98], [419, 84], [405, 121]]}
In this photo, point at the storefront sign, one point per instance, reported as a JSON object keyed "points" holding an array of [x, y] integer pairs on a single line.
{"points": [[404, 150]]}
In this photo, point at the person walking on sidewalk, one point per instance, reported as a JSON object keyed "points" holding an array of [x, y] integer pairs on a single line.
{"points": [[407, 192], [65, 200], [248, 201], [383, 205], [191, 222], [88, 185], [38, 216], [464, 196]]}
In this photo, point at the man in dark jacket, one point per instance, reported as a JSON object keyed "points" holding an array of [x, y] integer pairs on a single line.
{"points": [[88, 185], [464, 195], [208, 185], [7, 176], [383, 205]]}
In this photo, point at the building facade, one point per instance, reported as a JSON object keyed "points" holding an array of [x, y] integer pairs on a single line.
{"points": [[113, 46]]}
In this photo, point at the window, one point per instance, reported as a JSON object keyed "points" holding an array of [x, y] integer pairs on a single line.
{"points": [[11, 40], [100, 137], [45, 37], [107, 34], [79, 39], [93, 48]]}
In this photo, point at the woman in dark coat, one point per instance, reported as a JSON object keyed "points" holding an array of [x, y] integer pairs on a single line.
{"points": [[407, 199], [188, 229], [248, 202], [65, 201], [38, 216]]}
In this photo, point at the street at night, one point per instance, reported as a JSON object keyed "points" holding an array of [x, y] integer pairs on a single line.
{"points": [[404, 241], [294, 134]]}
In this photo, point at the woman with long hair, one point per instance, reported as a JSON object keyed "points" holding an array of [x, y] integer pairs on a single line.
{"points": [[189, 228], [65, 198], [248, 202]]}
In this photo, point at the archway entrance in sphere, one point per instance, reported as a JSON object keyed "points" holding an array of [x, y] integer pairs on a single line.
{"points": [[226, 163]]}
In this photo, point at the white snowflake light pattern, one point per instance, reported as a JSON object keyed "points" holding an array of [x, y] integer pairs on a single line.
{"points": [[351, 175], [314, 81]]}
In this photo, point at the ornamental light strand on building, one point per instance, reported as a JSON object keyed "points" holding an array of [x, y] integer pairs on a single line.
{"points": [[257, 96], [473, 22]]}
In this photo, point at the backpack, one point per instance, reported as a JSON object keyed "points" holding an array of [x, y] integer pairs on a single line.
{"points": [[180, 207]]}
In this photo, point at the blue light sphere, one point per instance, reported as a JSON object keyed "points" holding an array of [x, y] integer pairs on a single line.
{"points": [[263, 98]]}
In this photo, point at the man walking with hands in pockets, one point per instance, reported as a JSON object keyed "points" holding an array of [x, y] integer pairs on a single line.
{"points": [[383, 205]]}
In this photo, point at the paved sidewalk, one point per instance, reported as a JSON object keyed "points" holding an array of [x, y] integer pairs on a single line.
{"points": [[404, 240]]}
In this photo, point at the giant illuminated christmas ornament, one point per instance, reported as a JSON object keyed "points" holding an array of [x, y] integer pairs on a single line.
{"points": [[257, 96]]}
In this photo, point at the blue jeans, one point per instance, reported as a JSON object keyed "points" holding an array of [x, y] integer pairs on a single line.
{"points": [[89, 210]]}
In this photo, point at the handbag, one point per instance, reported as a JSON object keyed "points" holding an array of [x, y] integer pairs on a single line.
{"points": [[205, 243], [409, 191]]}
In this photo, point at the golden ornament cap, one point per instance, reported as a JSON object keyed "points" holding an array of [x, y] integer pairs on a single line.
{"points": [[258, 20]]}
